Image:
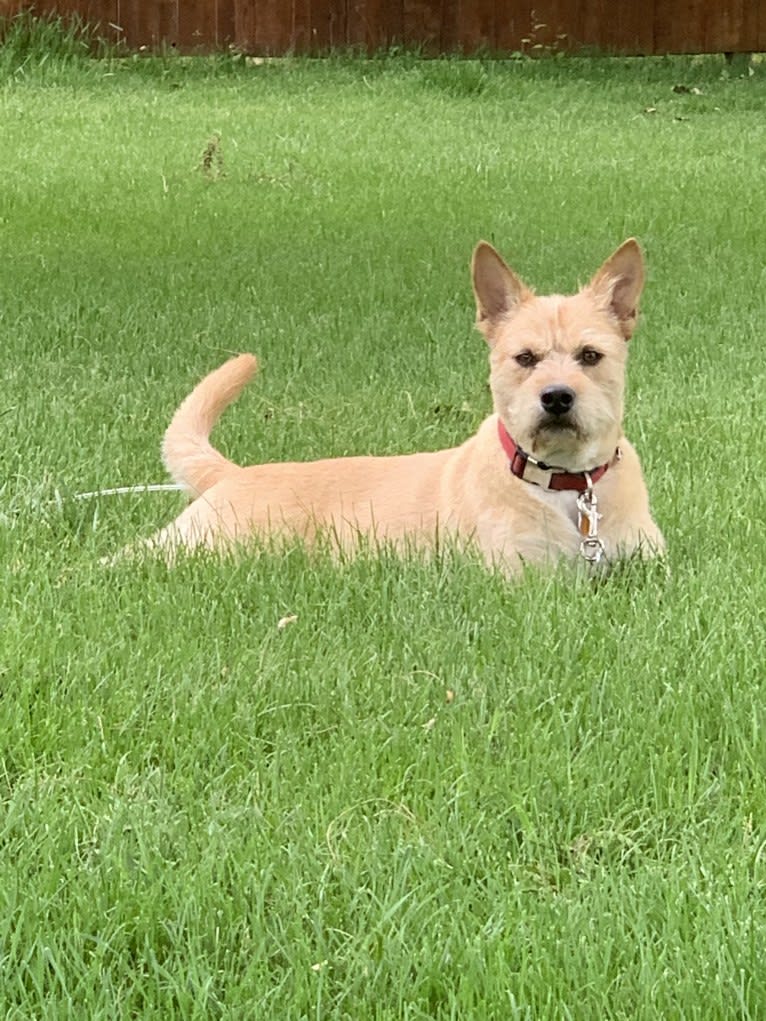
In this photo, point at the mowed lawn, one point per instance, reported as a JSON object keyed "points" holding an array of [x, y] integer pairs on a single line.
{"points": [[277, 786]]}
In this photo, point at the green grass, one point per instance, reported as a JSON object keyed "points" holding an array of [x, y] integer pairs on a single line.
{"points": [[434, 794]]}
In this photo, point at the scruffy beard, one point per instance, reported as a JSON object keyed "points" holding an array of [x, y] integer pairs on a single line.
{"points": [[561, 443], [548, 426], [557, 434]]}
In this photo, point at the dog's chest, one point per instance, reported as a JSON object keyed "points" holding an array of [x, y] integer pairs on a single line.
{"points": [[562, 505], [541, 526]]}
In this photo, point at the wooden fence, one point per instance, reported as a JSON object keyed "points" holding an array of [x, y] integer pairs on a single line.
{"points": [[437, 26]]}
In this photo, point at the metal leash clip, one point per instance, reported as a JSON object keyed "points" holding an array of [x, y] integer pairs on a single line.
{"points": [[591, 548]]}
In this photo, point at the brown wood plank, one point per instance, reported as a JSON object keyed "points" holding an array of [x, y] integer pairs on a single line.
{"points": [[160, 21], [422, 24], [101, 14], [225, 12], [298, 26], [360, 23], [272, 27], [679, 26], [725, 27], [391, 29], [512, 20], [476, 23], [554, 25], [369, 24], [94, 12], [105, 14], [197, 25], [373, 25], [327, 22], [449, 38], [750, 20], [627, 29], [244, 25], [129, 19]]}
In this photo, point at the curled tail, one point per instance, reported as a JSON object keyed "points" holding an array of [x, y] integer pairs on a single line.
{"points": [[186, 449]]}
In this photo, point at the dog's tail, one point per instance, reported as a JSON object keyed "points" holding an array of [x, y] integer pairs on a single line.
{"points": [[186, 449]]}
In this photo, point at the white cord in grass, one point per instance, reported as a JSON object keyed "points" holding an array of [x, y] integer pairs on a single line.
{"points": [[153, 487]]}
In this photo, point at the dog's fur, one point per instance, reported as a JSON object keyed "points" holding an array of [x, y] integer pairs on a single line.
{"points": [[467, 491]]}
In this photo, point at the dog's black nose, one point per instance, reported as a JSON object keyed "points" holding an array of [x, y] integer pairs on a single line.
{"points": [[557, 400]]}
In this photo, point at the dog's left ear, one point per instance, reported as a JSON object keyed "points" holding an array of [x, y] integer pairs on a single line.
{"points": [[619, 283]]}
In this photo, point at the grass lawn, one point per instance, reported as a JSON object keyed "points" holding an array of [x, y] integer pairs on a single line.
{"points": [[434, 794]]}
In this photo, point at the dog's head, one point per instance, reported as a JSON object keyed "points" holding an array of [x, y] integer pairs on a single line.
{"points": [[558, 363]]}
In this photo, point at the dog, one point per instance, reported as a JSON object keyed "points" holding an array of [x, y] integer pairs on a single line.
{"points": [[549, 475]]}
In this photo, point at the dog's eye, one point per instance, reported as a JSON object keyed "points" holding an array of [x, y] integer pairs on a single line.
{"points": [[589, 356], [526, 359]]}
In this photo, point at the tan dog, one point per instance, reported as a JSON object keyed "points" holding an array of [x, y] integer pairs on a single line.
{"points": [[525, 488]]}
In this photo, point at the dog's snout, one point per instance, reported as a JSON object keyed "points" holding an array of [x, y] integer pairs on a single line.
{"points": [[557, 400]]}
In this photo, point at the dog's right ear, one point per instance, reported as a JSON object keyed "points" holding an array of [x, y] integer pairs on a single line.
{"points": [[498, 290]]}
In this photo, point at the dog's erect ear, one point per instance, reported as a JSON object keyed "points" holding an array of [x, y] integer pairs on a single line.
{"points": [[619, 283], [497, 288]]}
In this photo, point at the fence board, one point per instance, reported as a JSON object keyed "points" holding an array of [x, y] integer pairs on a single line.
{"points": [[556, 25], [725, 23], [476, 23], [361, 19], [326, 20], [273, 27], [447, 26], [196, 22], [244, 25], [512, 24], [627, 29], [750, 19], [684, 32], [162, 25], [132, 18], [422, 24], [300, 27], [385, 21], [226, 23]]}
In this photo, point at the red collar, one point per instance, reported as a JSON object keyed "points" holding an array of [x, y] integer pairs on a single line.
{"points": [[525, 467]]}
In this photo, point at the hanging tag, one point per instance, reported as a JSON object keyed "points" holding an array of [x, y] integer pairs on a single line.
{"points": [[591, 547]]}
